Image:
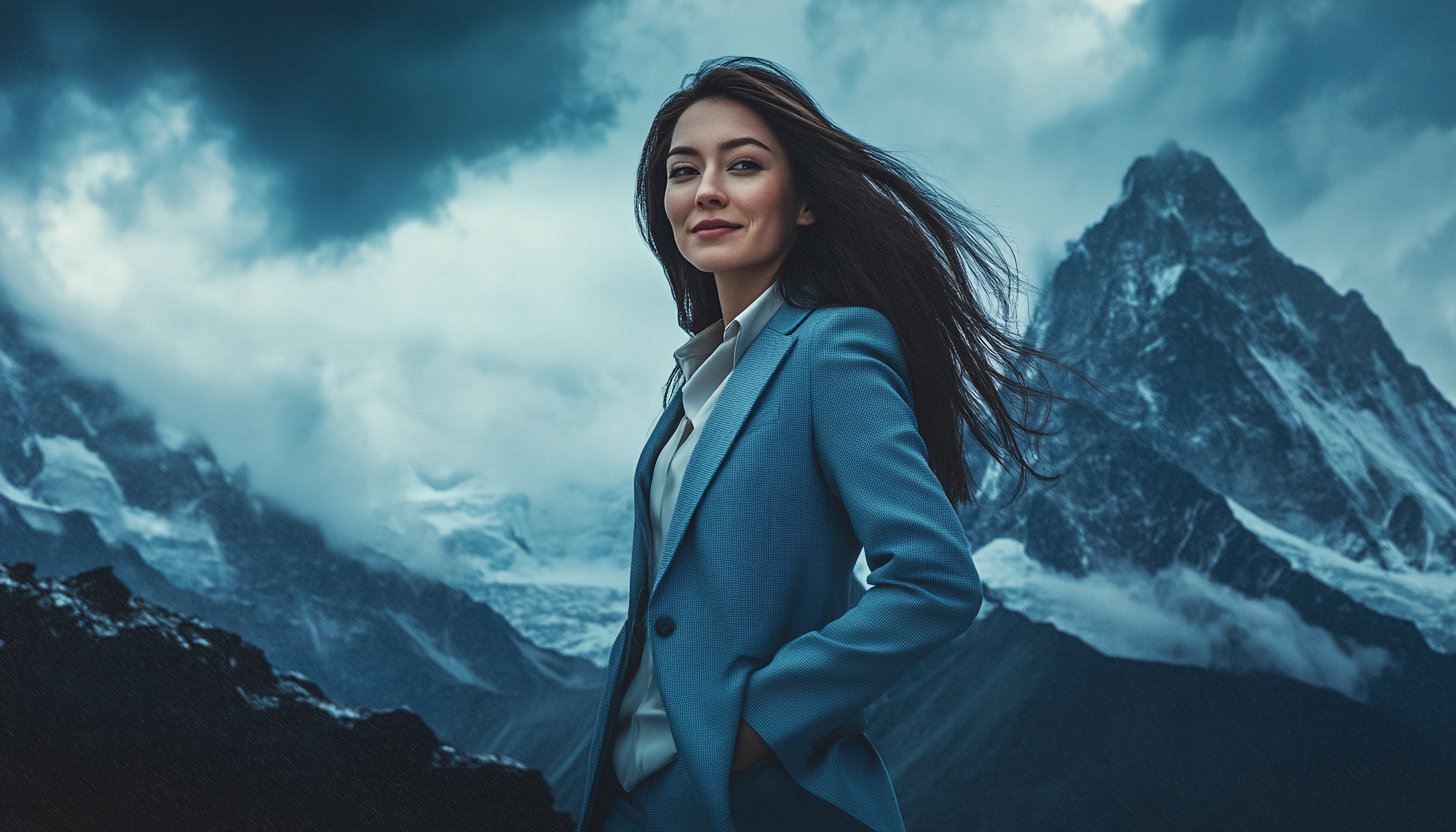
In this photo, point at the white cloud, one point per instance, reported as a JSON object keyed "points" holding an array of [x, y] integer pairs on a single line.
{"points": [[1178, 616]]}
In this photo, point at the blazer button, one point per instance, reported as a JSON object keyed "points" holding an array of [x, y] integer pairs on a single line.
{"points": [[664, 626]]}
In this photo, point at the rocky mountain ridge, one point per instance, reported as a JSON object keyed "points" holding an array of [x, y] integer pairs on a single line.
{"points": [[1014, 725], [120, 714]]}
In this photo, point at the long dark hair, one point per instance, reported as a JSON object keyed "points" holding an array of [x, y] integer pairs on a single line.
{"points": [[886, 239]]}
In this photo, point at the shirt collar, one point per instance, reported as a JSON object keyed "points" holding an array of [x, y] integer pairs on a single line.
{"points": [[690, 356], [745, 328], [752, 320]]}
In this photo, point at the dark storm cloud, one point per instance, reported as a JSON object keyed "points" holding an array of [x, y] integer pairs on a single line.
{"points": [[1397, 60], [351, 105]]}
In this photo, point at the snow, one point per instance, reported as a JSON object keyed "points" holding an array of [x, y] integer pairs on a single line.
{"points": [[333, 710], [256, 702], [1354, 439], [13, 374], [171, 438], [558, 572], [1145, 392], [1177, 616], [1292, 319], [473, 534], [1166, 280], [571, 619], [1427, 600], [80, 414], [182, 546]]}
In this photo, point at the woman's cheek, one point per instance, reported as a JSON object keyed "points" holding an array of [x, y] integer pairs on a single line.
{"points": [[676, 209]]}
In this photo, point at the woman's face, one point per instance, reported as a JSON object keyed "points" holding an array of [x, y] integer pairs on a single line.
{"points": [[730, 196]]}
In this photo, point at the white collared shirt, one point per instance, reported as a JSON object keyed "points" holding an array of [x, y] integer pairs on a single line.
{"points": [[644, 742]]}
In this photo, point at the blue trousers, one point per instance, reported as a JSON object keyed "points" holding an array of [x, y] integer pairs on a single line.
{"points": [[764, 798]]}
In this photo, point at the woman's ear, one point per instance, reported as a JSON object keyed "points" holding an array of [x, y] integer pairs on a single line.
{"points": [[806, 217]]}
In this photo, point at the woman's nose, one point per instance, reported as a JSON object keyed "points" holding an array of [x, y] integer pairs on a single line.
{"points": [[710, 192]]}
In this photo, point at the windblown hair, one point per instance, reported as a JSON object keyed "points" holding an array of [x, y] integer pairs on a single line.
{"points": [[883, 238]]}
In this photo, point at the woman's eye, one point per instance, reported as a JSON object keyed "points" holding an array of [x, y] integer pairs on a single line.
{"points": [[680, 170], [744, 164]]}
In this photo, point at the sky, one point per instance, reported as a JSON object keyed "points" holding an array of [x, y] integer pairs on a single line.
{"points": [[363, 248]]}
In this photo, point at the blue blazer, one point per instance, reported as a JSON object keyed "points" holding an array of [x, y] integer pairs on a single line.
{"points": [[811, 453]]}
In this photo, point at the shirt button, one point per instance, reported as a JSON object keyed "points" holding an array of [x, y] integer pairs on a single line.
{"points": [[664, 626]]}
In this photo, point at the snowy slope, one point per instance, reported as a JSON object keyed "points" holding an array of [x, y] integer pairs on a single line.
{"points": [[557, 572]]}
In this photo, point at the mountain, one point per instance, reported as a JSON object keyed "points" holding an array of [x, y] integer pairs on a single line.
{"points": [[87, 480], [1247, 558], [1253, 375], [120, 714], [1236, 395], [556, 569]]}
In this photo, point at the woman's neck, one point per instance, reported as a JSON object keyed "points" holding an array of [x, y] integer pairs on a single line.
{"points": [[736, 291]]}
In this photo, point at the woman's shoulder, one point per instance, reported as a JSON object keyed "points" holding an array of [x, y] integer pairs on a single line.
{"points": [[833, 322], [835, 331]]}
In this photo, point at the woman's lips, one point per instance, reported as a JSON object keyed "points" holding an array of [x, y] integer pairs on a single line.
{"points": [[714, 228]]}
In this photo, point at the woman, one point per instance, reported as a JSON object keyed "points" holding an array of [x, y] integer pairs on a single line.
{"points": [[827, 414]]}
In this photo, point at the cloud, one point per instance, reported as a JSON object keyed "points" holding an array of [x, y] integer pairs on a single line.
{"points": [[1394, 60], [506, 322], [349, 108], [1178, 616], [520, 335]]}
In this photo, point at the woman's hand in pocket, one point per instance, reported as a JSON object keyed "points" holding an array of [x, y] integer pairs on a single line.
{"points": [[750, 747]]}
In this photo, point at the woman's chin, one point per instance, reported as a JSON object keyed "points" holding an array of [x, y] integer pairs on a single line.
{"points": [[727, 266]]}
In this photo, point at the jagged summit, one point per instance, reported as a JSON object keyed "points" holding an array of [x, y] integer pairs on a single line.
{"points": [[1185, 190], [1256, 451]]}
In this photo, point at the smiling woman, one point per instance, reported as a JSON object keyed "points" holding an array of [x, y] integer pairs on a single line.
{"points": [[839, 353]]}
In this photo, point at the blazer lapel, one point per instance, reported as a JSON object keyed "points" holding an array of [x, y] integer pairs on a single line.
{"points": [[666, 424], [740, 392]]}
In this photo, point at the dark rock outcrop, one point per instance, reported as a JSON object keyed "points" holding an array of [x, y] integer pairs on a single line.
{"points": [[116, 713]]}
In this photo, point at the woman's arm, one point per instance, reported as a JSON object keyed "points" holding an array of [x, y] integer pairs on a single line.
{"points": [[923, 587]]}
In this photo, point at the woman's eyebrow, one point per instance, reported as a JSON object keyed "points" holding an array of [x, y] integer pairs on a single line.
{"points": [[684, 150]]}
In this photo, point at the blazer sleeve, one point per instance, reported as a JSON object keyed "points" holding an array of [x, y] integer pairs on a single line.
{"points": [[924, 590]]}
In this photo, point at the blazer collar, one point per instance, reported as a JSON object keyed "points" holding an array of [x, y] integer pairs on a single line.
{"points": [[740, 393]]}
